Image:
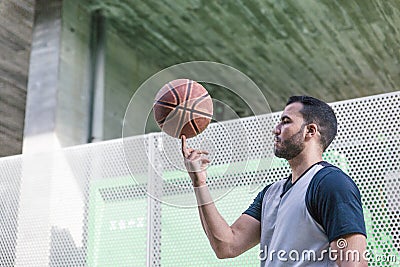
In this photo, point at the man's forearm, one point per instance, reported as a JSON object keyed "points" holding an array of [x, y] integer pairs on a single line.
{"points": [[216, 228], [226, 241]]}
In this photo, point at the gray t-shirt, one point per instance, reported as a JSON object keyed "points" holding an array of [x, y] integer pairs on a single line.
{"points": [[298, 221]]}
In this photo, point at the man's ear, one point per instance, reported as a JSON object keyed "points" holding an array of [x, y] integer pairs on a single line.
{"points": [[312, 130]]}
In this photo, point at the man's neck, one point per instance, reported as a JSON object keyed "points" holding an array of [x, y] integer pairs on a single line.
{"points": [[302, 162]]}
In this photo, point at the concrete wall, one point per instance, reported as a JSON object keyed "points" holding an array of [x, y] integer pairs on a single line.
{"points": [[41, 104], [126, 69], [74, 79], [16, 22]]}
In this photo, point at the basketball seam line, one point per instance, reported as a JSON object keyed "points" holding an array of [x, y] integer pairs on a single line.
{"points": [[200, 113], [161, 122], [193, 110], [187, 109], [189, 85], [192, 122], [195, 127], [165, 104], [169, 116], [174, 92], [177, 108], [198, 100]]}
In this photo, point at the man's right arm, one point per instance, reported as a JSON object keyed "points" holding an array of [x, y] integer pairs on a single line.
{"points": [[227, 241]]}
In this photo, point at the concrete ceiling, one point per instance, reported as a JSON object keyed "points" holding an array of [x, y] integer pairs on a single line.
{"points": [[331, 49]]}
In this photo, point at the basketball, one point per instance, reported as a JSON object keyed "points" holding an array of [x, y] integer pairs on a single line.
{"points": [[183, 107]]}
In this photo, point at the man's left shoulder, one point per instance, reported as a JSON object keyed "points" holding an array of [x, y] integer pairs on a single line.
{"points": [[331, 176], [334, 201], [330, 182]]}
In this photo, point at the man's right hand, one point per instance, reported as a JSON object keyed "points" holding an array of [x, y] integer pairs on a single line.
{"points": [[196, 163]]}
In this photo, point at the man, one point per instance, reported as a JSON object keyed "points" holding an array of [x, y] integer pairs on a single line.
{"points": [[312, 218]]}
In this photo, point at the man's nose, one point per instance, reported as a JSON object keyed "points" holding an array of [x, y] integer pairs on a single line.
{"points": [[276, 130]]}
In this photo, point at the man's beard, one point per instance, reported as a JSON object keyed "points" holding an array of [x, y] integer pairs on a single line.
{"points": [[291, 147]]}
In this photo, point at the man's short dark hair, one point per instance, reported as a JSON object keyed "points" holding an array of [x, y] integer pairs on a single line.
{"points": [[320, 113]]}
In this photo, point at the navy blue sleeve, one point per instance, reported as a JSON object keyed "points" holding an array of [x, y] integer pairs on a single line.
{"points": [[254, 210], [334, 201]]}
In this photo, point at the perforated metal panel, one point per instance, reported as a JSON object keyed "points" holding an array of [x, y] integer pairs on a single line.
{"points": [[130, 202]]}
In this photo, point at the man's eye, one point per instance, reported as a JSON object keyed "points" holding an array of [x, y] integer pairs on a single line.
{"points": [[285, 121]]}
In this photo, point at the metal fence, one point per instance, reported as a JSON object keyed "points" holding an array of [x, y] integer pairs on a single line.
{"points": [[129, 202]]}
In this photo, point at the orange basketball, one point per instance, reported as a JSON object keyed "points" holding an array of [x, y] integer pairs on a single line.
{"points": [[183, 107]]}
